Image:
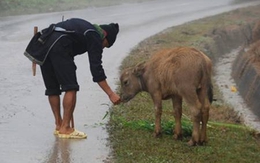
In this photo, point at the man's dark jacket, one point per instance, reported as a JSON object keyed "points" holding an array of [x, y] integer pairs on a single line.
{"points": [[83, 36]]}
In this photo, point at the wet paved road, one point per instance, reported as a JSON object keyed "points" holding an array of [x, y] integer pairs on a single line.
{"points": [[26, 122]]}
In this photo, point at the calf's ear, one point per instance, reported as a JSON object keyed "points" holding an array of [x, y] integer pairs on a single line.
{"points": [[139, 69]]}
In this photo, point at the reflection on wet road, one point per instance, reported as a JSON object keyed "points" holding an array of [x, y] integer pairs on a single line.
{"points": [[61, 151]]}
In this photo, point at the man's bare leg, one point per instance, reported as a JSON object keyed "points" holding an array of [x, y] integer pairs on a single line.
{"points": [[54, 101], [69, 102]]}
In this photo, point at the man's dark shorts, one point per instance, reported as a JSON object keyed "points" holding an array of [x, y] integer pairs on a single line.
{"points": [[59, 69]]}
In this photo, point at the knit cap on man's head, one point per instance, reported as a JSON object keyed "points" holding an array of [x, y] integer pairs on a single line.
{"points": [[112, 31]]}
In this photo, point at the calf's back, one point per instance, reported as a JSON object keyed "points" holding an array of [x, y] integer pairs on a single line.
{"points": [[172, 71]]}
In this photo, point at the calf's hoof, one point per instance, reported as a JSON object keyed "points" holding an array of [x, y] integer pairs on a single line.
{"points": [[157, 135], [192, 143], [177, 137], [203, 142]]}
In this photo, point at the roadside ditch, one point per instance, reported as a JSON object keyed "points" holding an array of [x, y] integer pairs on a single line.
{"points": [[237, 69]]}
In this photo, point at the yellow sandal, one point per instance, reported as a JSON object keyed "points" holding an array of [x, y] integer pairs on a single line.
{"points": [[56, 132], [74, 135]]}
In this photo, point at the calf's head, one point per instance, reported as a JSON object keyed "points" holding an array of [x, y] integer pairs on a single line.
{"points": [[131, 82]]}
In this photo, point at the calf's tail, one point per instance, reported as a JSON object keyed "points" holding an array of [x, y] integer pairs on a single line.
{"points": [[210, 92]]}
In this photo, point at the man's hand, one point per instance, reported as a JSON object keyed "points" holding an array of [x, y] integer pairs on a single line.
{"points": [[114, 98]]}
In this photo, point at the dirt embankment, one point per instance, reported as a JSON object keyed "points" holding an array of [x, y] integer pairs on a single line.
{"points": [[246, 67]]}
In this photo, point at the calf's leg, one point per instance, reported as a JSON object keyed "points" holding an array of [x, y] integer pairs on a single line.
{"points": [[196, 117], [205, 118], [195, 106], [202, 94], [158, 113], [177, 108]]}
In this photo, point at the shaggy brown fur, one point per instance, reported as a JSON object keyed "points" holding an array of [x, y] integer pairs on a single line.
{"points": [[176, 74]]}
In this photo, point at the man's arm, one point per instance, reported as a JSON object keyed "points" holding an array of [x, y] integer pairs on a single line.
{"points": [[114, 98]]}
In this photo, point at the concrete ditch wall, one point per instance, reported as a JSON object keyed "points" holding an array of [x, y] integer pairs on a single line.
{"points": [[246, 72], [246, 68]]}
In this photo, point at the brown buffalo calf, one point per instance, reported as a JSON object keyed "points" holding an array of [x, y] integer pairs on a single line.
{"points": [[176, 74]]}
